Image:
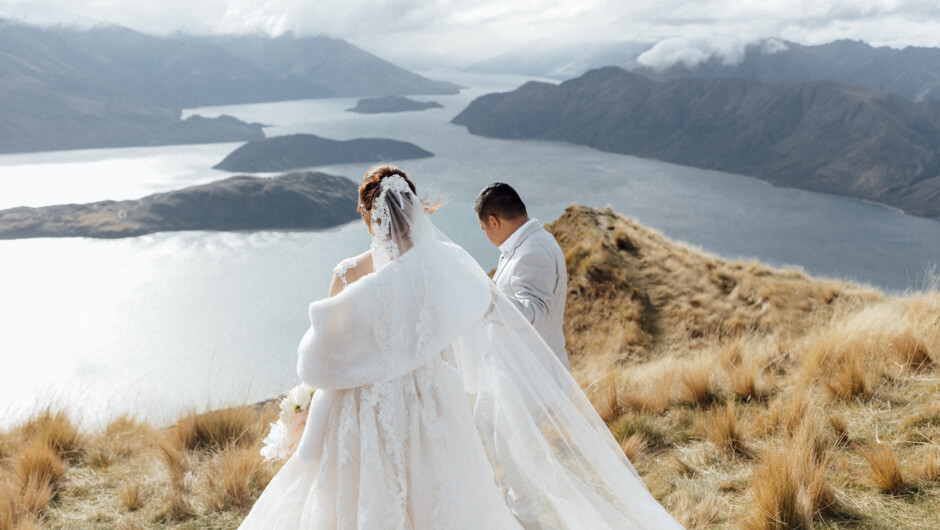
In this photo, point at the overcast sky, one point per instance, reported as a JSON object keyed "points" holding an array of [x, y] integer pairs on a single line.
{"points": [[449, 33]]}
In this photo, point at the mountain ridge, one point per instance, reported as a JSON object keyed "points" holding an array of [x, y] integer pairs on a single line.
{"points": [[816, 135], [110, 86]]}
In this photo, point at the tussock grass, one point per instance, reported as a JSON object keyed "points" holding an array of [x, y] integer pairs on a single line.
{"points": [[236, 478], [805, 374], [178, 507], [721, 427], [698, 513], [56, 430], [698, 389], [634, 447], [38, 466], [884, 470], [776, 499], [131, 495], [216, 430], [203, 472]]}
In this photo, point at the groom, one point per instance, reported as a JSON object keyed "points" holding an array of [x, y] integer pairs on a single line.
{"points": [[531, 266]]}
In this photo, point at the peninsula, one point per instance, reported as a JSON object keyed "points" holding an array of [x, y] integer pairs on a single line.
{"points": [[301, 200]]}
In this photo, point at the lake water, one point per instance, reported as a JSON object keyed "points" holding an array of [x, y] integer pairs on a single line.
{"points": [[158, 324]]}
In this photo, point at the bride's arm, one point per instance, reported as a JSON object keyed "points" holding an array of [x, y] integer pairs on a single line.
{"points": [[348, 271]]}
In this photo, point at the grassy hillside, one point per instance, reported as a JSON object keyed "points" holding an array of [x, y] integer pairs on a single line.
{"points": [[747, 397]]}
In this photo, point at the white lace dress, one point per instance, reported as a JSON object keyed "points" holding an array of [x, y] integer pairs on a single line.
{"points": [[397, 454]]}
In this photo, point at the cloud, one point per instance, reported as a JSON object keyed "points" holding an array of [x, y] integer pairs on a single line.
{"points": [[452, 33]]}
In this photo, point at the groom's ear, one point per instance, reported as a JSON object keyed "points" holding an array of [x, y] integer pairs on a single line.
{"points": [[493, 221]]}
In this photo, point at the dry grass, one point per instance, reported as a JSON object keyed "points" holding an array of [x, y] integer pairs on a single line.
{"points": [[38, 465], [776, 497], [634, 447], [929, 470], [201, 473], [56, 430], [216, 430], [840, 428], [696, 514], [721, 427], [884, 470], [236, 478], [698, 389], [797, 371], [131, 496]]}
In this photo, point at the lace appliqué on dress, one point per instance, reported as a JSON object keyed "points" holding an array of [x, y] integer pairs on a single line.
{"points": [[342, 268]]}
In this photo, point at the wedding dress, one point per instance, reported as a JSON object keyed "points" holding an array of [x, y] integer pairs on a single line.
{"points": [[438, 406]]}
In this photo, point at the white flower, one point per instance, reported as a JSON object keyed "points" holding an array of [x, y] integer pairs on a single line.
{"points": [[281, 440]]}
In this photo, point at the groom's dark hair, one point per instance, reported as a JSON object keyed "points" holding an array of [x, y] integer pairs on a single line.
{"points": [[500, 200]]}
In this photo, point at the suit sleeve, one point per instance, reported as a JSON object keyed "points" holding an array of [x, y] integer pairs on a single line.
{"points": [[533, 281]]}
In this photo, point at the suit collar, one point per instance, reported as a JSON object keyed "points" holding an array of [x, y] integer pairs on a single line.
{"points": [[513, 242], [516, 238]]}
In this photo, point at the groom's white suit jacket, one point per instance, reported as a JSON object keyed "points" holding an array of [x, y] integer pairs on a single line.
{"points": [[532, 272]]}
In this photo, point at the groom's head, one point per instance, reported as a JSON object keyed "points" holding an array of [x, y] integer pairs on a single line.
{"points": [[500, 211]]}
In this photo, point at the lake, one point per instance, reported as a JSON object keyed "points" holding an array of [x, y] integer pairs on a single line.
{"points": [[159, 324]]}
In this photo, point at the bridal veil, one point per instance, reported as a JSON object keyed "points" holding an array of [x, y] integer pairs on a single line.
{"points": [[552, 459]]}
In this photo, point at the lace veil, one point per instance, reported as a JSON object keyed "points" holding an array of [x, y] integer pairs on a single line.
{"points": [[554, 458]]}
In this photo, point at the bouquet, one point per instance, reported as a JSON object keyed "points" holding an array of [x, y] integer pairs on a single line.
{"points": [[284, 436]]}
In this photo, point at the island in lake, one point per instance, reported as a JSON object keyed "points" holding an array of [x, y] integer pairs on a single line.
{"points": [[283, 153], [389, 104], [300, 200]]}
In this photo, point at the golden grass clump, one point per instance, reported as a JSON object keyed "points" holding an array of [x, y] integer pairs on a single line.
{"points": [[884, 470], [776, 496], [178, 507], [39, 465], [36, 477], [720, 426], [910, 351], [604, 396], [216, 430], [236, 478], [698, 514], [56, 430], [929, 470], [653, 398], [655, 436], [176, 458], [698, 388], [131, 495], [634, 447]]}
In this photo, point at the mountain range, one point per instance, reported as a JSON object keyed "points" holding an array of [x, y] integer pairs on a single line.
{"points": [[912, 72], [109, 86], [815, 135]]}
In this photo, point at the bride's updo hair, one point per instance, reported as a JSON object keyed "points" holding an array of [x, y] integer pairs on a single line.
{"points": [[369, 189]]}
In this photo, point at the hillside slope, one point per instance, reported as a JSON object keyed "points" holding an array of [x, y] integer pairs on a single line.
{"points": [[814, 135], [655, 293]]}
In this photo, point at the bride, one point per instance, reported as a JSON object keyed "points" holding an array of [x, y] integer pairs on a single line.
{"points": [[438, 406]]}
